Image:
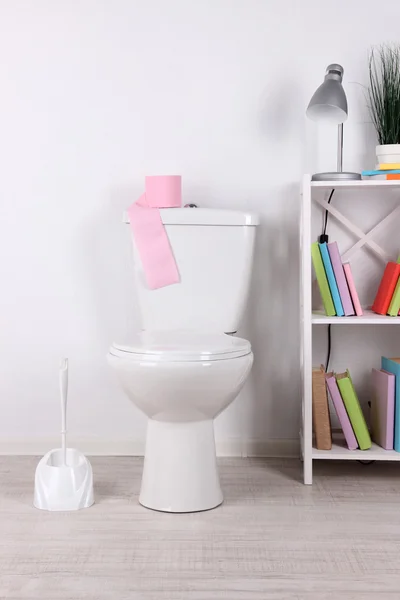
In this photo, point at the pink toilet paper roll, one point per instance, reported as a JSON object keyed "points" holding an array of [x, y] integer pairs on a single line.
{"points": [[148, 230]]}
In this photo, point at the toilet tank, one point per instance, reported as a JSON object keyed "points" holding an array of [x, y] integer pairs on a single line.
{"points": [[214, 253]]}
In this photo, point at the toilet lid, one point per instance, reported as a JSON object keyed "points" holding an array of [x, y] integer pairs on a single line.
{"points": [[182, 346]]}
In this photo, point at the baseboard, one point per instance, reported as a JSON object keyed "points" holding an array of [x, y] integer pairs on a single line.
{"points": [[99, 446]]}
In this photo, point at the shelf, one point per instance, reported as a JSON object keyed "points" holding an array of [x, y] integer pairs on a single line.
{"points": [[314, 196], [341, 452], [368, 318], [363, 183]]}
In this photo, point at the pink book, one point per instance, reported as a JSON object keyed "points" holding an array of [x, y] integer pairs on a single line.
{"points": [[352, 288], [340, 277], [382, 408], [341, 411]]}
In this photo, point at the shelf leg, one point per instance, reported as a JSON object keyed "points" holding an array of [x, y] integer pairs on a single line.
{"points": [[307, 471], [306, 331]]}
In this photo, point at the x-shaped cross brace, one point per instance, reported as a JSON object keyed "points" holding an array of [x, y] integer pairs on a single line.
{"points": [[364, 238]]}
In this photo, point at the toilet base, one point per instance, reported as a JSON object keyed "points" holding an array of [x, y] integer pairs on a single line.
{"points": [[180, 469]]}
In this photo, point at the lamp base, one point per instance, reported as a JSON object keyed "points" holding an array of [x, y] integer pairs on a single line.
{"points": [[336, 176]]}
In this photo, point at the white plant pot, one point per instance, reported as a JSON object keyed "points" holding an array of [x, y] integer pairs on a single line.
{"points": [[388, 154]]}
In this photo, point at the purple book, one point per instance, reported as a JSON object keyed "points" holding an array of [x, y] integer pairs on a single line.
{"points": [[341, 411], [382, 408], [340, 277]]}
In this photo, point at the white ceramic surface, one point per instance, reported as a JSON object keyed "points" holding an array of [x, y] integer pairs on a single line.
{"points": [[183, 370], [388, 153], [180, 468], [214, 263], [181, 400]]}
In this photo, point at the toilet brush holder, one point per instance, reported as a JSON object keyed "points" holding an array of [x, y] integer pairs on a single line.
{"points": [[60, 486], [64, 477]]}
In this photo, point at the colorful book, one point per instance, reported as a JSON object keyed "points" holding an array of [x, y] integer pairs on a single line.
{"points": [[341, 411], [352, 289], [340, 277], [386, 288], [322, 280], [379, 172], [353, 409], [331, 280], [383, 177], [392, 365], [382, 408], [394, 305], [389, 166], [320, 410]]}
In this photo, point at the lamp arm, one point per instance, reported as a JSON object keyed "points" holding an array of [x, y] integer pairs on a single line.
{"points": [[340, 149]]}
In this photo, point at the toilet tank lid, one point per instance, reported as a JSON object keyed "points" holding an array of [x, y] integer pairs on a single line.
{"points": [[205, 216]]}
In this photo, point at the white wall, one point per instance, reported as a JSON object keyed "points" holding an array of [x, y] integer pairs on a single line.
{"points": [[95, 94]]}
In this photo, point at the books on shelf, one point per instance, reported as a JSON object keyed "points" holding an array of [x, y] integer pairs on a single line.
{"points": [[388, 167], [340, 277], [348, 409], [334, 281], [341, 412], [320, 410], [386, 171], [382, 408], [392, 365], [333, 286], [387, 289], [385, 408], [337, 288], [322, 280], [394, 306], [353, 409], [352, 288], [382, 174]]}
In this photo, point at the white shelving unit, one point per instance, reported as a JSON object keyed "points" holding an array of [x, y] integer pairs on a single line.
{"points": [[310, 318]]}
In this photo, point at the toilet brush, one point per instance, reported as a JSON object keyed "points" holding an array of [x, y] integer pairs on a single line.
{"points": [[63, 478], [64, 394]]}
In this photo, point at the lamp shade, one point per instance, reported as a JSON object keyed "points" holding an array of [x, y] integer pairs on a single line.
{"points": [[329, 102]]}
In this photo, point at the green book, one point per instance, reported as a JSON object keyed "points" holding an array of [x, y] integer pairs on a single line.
{"points": [[394, 305], [322, 280], [353, 409]]}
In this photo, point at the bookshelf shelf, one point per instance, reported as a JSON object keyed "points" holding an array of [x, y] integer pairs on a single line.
{"points": [[311, 196], [363, 184], [368, 318], [341, 452]]}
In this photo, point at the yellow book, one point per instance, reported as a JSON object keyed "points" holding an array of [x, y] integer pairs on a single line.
{"points": [[389, 166], [394, 305]]}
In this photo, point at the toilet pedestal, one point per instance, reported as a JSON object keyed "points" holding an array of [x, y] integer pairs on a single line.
{"points": [[180, 469]]}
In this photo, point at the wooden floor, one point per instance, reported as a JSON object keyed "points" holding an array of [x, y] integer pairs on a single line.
{"points": [[272, 539]]}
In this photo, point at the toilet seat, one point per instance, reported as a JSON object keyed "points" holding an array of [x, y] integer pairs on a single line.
{"points": [[181, 346]]}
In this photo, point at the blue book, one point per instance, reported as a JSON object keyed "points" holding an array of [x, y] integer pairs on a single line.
{"points": [[392, 365], [383, 172], [326, 259]]}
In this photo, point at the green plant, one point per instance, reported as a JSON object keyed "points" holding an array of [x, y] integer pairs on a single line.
{"points": [[384, 92]]}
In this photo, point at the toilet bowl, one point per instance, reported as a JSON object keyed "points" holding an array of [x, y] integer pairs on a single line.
{"points": [[181, 381], [186, 365]]}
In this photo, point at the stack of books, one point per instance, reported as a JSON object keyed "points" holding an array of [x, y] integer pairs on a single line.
{"points": [[347, 406], [387, 171], [387, 300], [385, 408], [335, 281]]}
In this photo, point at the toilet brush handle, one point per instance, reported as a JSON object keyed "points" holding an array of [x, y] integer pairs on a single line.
{"points": [[64, 394]]}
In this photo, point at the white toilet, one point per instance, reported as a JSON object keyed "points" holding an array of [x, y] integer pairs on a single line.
{"points": [[184, 368]]}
